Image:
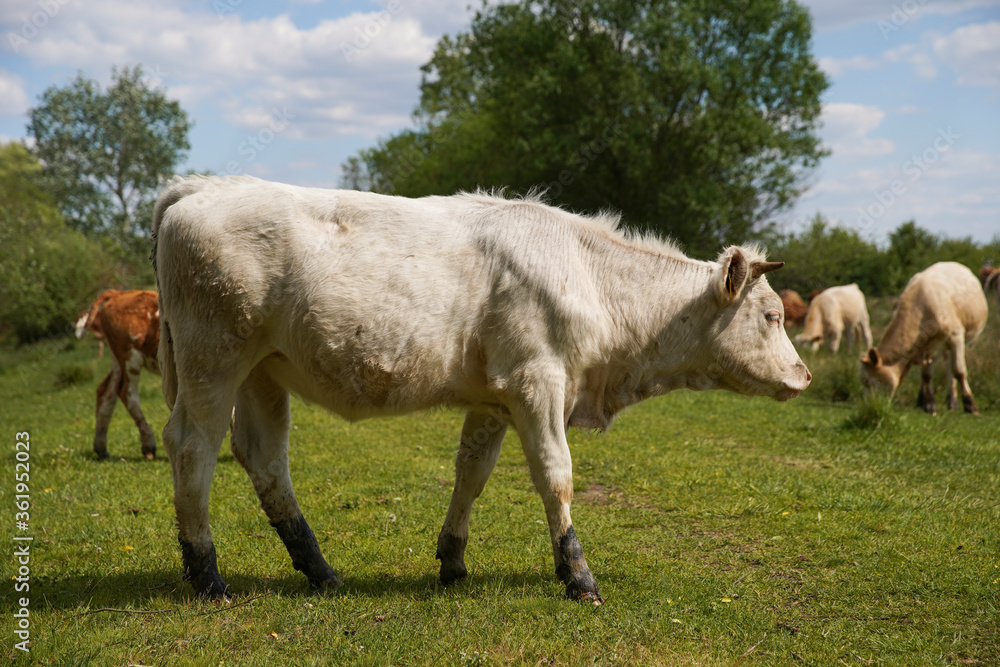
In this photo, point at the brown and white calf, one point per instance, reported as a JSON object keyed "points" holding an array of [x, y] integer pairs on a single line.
{"points": [[130, 323], [522, 314], [941, 308], [834, 314]]}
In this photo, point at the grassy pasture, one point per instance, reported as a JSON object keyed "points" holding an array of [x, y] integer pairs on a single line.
{"points": [[723, 530]]}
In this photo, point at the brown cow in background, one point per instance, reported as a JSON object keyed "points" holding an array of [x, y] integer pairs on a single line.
{"points": [[130, 323], [795, 308]]}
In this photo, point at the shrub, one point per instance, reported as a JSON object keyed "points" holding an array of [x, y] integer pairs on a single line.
{"points": [[74, 374], [874, 412]]}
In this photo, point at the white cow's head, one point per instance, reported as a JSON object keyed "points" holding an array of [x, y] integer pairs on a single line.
{"points": [[750, 350]]}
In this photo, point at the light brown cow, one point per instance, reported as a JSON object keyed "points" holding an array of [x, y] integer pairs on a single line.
{"points": [[795, 308], [834, 313], [942, 307], [130, 323]]}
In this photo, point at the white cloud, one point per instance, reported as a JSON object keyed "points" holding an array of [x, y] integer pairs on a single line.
{"points": [[973, 51], [835, 14], [917, 56], [836, 67], [846, 127], [355, 74], [13, 98], [953, 194]]}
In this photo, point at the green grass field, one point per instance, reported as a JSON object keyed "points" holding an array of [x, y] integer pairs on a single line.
{"points": [[723, 530]]}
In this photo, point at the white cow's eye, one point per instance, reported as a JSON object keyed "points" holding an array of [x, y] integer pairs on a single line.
{"points": [[773, 317]]}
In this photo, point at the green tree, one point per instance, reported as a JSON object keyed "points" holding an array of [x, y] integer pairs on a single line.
{"points": [[911, 249], [695, 118], [106, 153], [823, 256], [48, 272]]}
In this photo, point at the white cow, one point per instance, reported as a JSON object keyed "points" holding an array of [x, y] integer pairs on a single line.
{"points": [[836, 313], [520, 313]]}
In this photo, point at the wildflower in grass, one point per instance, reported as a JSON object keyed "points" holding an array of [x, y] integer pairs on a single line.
{"points": [[126, 548]]}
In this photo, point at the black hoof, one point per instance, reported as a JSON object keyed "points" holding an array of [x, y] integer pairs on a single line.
{"points": [[328, 585], [452, 575], [201, 570], [591, 597], [302, 546], [573, 571], [451, 552]]}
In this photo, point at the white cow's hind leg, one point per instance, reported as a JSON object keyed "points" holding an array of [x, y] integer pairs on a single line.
{"points": [[129, 394], [833, 339], [482, 436], [260, 444], [960, 374], [539, 419], [192, 438], [106, 401]]}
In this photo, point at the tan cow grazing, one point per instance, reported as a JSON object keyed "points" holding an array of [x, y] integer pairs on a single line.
{"points": [[837, 313], [130, 323], [795, 308], [520, 313], [942, 307]]}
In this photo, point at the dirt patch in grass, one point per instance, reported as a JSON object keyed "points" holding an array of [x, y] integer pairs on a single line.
{"points": [[597, 494], [805, 464]]}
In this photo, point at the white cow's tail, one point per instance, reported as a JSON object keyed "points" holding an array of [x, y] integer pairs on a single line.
{"points": [[176, 189], [168, 369]]}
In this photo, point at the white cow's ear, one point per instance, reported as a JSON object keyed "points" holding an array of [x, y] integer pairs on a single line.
{"points": [[734, 274]]}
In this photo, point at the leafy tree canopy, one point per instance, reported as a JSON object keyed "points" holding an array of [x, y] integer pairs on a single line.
{"points": [[47, 271], [694, 118], [824, 255], [106, 153]]}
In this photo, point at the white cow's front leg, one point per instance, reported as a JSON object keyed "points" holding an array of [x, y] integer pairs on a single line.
{"points": [[540, 423], [482, 436], [260, 444]]}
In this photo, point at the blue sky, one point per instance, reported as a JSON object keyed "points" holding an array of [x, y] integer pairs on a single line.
{"points": [[288, 90]]}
